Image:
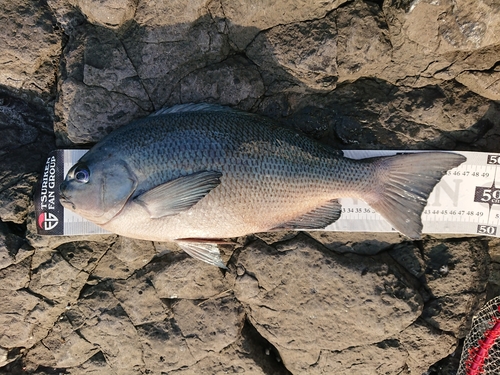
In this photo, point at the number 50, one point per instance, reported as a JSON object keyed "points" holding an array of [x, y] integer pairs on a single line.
{"points": [[487, 229], [493, 159]]}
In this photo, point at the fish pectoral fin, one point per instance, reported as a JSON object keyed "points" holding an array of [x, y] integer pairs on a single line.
{"points": [[178, 195], [319, 218], [206, 252]]}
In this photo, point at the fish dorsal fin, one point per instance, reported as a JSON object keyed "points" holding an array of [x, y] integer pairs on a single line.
{"points": [[319, 218], [206, 252], [192, 107], [178, 195]]}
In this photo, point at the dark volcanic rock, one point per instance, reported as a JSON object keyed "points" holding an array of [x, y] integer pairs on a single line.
{"points": [[27, 137]]}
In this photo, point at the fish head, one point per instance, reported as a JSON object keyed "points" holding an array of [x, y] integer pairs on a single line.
{"points": [[98, 189]]}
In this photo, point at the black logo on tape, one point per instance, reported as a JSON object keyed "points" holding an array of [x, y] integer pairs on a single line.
{"points": [[48, 210]]}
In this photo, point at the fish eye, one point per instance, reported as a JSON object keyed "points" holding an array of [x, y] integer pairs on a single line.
{"points": [[82, 174]]}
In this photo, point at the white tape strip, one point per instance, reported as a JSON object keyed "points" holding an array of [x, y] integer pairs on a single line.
{"points": [[466, 200]]}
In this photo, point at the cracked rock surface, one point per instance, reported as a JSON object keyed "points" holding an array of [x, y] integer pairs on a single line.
{"points": [[392, 74]]}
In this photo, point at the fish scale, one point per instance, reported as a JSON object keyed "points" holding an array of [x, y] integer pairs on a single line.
{"points": [[208, 172]]}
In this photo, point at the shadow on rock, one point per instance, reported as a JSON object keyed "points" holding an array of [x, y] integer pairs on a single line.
{"points": [[27, 137]]}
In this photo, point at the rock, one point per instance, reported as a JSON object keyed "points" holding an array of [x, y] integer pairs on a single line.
{"points": [[55, 279], [431, 40], [355, 242], [4, 357], [162, 57], [173, 14], [140, 300], [248, 354], [198, 336], [209, 326], [245, 18], [182, 277], [16, 198], [408, 115], [115, 70], [30, 48], [95, 365], [123, 258], [107, 65], [28, 318], [407, 353], [352, 74], [364, 47], [374, 114], [13, 249], [63, 347], [301, 316], [115, 335], [446, 26], [423, 344], [486, 84], [272, 237], [107, 109], [16, 132], [456, 274], [16, 276], [83, 255], [409, 256], [385, 357], [234, 82], [165, 346], [176, 336], [25, 143], [302, 53], [109, 13]]}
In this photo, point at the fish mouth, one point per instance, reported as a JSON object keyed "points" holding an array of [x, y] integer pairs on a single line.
{"points": [[66, 202]]}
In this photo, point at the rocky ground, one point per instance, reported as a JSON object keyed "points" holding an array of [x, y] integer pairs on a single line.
{"points": [[395, 74]]}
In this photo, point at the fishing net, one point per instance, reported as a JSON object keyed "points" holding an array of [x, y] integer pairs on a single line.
{"points": [[481, 352]]}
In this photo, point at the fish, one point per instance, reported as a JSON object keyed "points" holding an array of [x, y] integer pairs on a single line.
{"points": [[197, 174]]}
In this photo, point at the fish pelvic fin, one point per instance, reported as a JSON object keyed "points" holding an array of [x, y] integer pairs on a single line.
{"points": [[404, 183], [207, 252]]}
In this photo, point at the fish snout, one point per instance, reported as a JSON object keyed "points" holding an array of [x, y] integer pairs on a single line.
{"points": [[63, 189], [64, 199]]}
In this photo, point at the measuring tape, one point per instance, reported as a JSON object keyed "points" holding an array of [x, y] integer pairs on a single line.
{"points": [[465, 201]]}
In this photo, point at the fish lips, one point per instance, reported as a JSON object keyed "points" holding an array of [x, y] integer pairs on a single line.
{"points": [[67, 203], [63, 199]]}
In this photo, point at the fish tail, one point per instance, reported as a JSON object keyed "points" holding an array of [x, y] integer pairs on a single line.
{"points": [[403, 184]]}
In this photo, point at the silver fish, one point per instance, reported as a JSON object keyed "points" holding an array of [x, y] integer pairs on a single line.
{"points": [[195, 174]]}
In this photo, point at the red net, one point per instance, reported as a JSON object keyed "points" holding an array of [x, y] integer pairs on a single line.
{"points": [[481, 352]]}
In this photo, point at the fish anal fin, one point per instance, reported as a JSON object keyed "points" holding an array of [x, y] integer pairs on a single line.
{"points": [[178, 195], [319, 218], [215, 241], [207, 252], [404, 184]]}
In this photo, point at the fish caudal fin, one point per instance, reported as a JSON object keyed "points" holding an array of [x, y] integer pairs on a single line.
{"points": [[404, 182]]}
